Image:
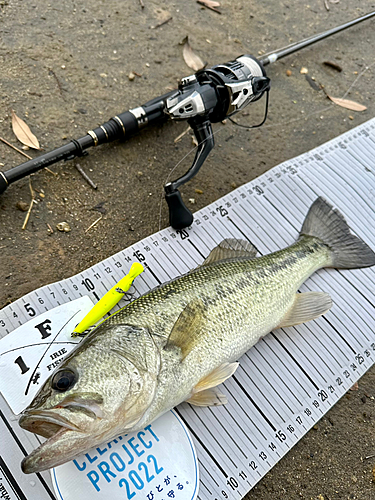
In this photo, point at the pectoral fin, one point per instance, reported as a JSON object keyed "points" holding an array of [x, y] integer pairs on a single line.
{"points": [[231, 248], [307, 306], [185, 332], [209, 397]]}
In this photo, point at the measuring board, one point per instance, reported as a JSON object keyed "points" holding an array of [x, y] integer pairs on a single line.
{"points": [[291, 378]]}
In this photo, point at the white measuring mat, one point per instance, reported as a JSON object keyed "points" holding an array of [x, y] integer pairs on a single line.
{"points": [[288, 380]]}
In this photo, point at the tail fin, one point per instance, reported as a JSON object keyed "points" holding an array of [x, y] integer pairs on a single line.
{"points": [[329, 225]]}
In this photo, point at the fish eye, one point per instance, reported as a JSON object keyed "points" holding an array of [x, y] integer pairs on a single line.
{"points": [[63, 380]]}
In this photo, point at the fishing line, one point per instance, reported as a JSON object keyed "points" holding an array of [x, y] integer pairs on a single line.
{"points": [[326, 108], [177, 164], [48, 344]]}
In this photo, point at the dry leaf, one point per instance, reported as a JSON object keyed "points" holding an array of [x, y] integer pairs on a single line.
{"points": [[192, 60], [345, 103], [179, 137], [209, 3], [23, 133]]}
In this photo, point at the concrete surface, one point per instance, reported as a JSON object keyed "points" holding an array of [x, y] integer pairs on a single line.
{"points": [[64, 69]]}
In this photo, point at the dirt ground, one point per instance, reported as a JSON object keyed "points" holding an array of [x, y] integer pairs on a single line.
{"points": [[64, 70]]}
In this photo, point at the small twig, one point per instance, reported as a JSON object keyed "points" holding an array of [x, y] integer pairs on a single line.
{"points": [[333, 65], [14, 147], [137, 74], [179, 137], [24, 154], [142, 4], [208, 7], [51, 171], [326, 5], [94, 223], [57, 81], [31, 205], [370, 456], [85, 176], [49, 227], [161, 24]]}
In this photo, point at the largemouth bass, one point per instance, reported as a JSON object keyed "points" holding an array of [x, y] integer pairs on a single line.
{"points": [[181, 340]]}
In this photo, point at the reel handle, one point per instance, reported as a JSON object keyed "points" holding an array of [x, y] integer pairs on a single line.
{"points": [[179, 215]]}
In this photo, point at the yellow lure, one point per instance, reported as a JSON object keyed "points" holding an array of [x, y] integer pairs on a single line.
{"points": [[109, 300]]}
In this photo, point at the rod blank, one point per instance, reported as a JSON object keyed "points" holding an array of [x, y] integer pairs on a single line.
{"points": [[294, 47]]}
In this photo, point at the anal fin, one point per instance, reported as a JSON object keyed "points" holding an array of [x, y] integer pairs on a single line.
{"points": [[307, 306]]}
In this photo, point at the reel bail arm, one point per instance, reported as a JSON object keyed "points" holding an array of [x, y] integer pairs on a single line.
{"points": [[208, 96]]}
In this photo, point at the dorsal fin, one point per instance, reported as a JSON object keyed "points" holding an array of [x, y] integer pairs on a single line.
{"points": [[231, 248]]}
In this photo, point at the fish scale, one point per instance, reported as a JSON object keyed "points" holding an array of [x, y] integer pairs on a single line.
{"points": [[179, 341], [219, 284], [289, 364], [236, 321], [171, 345]]}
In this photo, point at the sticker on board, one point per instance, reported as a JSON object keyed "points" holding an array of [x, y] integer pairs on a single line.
{"points": [[156, 463], [30, 354]]}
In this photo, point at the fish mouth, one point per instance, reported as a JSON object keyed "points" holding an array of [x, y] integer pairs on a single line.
{"points": [[46, 423], [70, 427], [47, 454], [51, 425], [65, 439]]}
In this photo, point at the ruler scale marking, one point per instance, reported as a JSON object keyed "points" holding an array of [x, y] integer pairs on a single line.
{"points": [[289, 340], [212, 427], [244, 377], [341, 296], [351, 198], [279, 380], [267, 383], [220, 423], [351, 170], [300, 371]]}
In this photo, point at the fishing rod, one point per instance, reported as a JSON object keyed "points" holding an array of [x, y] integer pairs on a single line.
{"points": [[209, 96]]}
